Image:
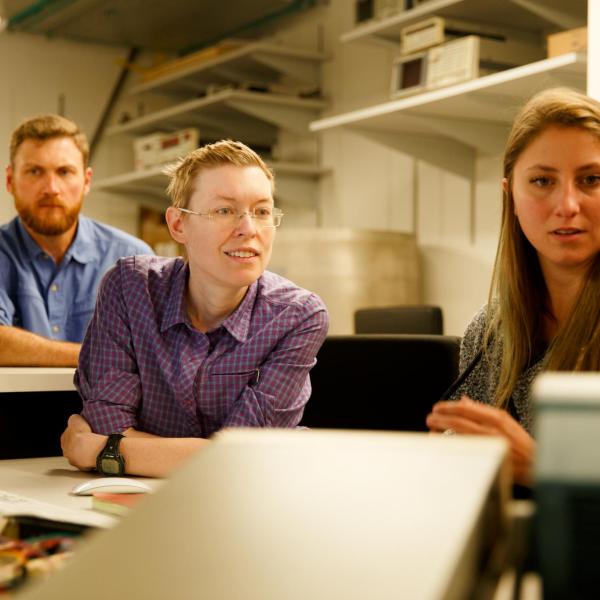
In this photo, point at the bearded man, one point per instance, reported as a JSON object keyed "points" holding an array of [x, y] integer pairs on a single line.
{"points": [[51, 258]]}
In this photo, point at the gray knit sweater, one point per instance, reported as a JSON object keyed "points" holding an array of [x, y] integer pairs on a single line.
{"points": [[481, 384]]}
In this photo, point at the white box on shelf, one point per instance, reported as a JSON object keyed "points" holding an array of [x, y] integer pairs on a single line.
{"points": [[422, 35], [159, 148], [460, 60], [145, 151], [437, 30]]}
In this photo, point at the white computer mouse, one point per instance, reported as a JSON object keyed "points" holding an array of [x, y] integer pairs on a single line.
{"points": [[111, 485]]}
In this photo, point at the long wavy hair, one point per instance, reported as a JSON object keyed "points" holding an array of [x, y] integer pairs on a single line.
{"points": [[518, 294]]}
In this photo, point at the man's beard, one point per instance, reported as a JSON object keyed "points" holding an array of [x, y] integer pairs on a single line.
{"points": [[55, 222]]}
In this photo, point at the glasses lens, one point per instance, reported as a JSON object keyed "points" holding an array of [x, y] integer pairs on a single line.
{"points": [[264, 217]]}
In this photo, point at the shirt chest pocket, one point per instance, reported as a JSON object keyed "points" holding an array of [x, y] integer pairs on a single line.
{"points": [[219, 390], [78, 319], [30, 309]]}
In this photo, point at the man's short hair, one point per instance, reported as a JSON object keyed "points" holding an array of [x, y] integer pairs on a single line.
{"points": [[226, 152], [45, 127]]}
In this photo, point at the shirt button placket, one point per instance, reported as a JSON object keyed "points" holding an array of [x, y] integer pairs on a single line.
{"points": [[55, 307]]}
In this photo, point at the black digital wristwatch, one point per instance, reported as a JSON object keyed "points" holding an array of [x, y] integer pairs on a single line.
{"points": [[109, 461]]}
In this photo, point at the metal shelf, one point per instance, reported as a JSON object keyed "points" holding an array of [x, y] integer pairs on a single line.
{"points": [[530, 15], [257, 62], [253, 117], [153, 182], [468, 111], [447, 126]]}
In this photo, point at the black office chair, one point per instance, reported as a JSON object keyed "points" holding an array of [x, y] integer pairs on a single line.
{"points": [[31, 422], [387, 382], [399, 319]]}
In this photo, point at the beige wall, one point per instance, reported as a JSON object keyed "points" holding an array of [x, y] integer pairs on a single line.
{"points": [[36, 73], [455, 218]]}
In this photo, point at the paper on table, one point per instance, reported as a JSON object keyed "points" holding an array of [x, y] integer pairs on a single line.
{"points": [[14, 504]]}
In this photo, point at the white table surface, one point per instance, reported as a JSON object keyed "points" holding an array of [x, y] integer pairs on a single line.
{"points": [[49, 481], [36, 379]]}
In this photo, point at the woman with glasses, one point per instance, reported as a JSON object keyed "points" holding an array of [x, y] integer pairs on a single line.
{"points": [[178, 349], [544, 307]]}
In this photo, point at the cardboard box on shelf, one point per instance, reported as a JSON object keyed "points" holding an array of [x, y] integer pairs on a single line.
{"points": [[195, 59], [573, 40]]}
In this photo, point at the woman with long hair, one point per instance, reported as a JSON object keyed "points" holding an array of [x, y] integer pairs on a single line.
{"points": [[543, 311]]}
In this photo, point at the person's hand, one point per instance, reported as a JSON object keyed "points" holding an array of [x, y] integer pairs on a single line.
{"points": [[80, 445], [467, 416]]}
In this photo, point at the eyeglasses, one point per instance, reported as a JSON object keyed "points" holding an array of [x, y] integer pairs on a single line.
{"points": [[264, 216]]}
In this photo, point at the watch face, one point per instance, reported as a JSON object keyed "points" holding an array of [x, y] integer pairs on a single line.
{"points": [[110, 466]]}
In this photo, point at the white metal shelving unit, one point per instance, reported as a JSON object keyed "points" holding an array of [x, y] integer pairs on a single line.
{"points": [[524, 14], [250, 115], [254, 117], [449, 125], [472, 115], [258, 62], [153, 182]]}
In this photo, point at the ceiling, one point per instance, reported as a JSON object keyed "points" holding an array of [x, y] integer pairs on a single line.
{"points": [[168, 25]]}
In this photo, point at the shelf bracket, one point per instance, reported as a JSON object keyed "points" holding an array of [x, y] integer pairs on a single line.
{"points": [[290, 118], [485, 137], [301, 70], [562, 18], [444, 153]]}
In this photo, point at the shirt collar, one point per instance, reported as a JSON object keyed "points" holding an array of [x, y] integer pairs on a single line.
{"points": [[31, 247], [237, 323], [81, 248]]}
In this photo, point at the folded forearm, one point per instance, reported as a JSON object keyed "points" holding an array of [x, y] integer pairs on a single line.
{"points": [[21, 348], [156, 456]]}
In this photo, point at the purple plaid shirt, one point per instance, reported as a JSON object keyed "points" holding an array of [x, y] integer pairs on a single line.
{"points": [[143, 365]]}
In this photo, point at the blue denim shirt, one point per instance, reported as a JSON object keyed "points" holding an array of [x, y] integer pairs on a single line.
{"points": [[57, 301]]}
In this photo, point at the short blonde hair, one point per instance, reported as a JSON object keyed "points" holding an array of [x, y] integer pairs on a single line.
{"points": [[45, 127], [226, 152]]}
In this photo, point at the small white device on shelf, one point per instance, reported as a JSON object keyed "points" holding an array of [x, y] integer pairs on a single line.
{"points": [[159, 148], [460, 60]]}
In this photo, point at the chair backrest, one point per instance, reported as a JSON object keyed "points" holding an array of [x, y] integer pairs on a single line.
{"points": [[399, 319], [380, 381], [31, 423]]}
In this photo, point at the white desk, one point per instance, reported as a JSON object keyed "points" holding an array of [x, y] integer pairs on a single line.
{"points": [[49, 481], [36, 379]]}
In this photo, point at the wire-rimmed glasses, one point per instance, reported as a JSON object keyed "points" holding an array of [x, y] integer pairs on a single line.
{"points": [[225, 216]]}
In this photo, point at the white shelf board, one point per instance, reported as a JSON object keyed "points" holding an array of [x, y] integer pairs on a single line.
{"points": [[153, 182], [234, 112], [532, 15], [468, 111], [257, 62]]}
